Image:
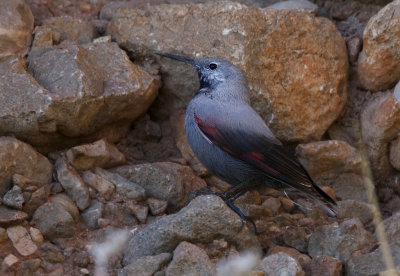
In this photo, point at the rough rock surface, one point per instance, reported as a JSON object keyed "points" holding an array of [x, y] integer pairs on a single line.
{"points": [[339, 241], [14, 198], [355, 209], [296, 63], [71, 29], [336, 164], [16, 26], [326, 160], [326, 265], [17, 157], [350, 186], [11, 217], [25, 182], [36, 235], [53, 221], [303, 259], [67, 204], [91, 215], [28, 267], [157, 207], [9, 261], [81, 94], [50, 252], [37, 198], [119, 214], [147, 266], [98, 154], [21, 240], [124, 187], [101, 185], [190, 260], [281, 264], [73, 184], [371, 263], [394, 153], [380, 124], [392, 227], [164, 180], [205, 218], [378, 63], [295, 237], [139, 211], [3, 234]]}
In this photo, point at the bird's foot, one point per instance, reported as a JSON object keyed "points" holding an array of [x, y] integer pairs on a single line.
{"points": [[205, 191], [242, 216]]}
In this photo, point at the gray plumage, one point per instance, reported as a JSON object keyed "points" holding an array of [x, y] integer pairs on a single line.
{"points": [[231, 139]]}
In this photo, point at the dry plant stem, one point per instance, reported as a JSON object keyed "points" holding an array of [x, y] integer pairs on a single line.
{"points": [[372, 199]]}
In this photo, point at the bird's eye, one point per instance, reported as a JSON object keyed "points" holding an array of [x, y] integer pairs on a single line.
{"points": [[213, 66]]}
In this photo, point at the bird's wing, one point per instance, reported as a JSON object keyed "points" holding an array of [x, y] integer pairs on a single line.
{"points": [[258, 149]]}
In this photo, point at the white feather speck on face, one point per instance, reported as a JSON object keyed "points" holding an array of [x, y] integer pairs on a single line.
{"points": [[217, 76]]}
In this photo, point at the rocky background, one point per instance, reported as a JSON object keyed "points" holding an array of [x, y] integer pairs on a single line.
{"points": [[95, 167]]}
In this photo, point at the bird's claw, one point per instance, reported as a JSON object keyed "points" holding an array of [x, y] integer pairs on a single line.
{"points": [[242, 216]]}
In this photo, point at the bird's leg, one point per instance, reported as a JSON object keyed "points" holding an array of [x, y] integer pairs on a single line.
{"points": [[225, 196], [229, 196], [236, 209], [232, 192]]}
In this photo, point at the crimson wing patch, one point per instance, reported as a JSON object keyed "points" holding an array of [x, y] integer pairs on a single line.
{"points": [[260, 152]]}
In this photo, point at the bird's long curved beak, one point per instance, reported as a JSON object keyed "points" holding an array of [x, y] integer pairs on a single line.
{"points": [[183, 59]]}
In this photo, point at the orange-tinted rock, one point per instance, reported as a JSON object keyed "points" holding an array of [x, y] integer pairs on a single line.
{"points": [[20, 158], [16, 25], [379, 62], [11, 217], [296, 63], [98, 154], [72, 29], [101, 185], [326, 160], [326, 265]]}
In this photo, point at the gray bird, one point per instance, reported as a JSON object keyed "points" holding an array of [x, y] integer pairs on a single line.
{"points": [[234, 143]]}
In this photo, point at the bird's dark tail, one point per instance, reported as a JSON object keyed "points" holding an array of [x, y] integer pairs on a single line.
{"points": [[323, 200]]}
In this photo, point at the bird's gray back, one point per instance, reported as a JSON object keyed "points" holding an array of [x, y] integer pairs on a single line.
{"points": [[233, 115]]}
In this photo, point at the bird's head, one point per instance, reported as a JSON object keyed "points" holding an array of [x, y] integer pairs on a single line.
{"points": [[212, 71]]}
